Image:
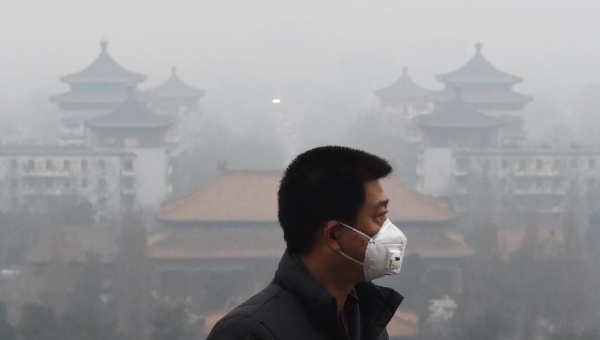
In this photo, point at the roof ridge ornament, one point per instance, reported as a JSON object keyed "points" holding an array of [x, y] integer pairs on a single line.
{"points": [[174, 70], [478, 47], [103, 45], [404, 70], [458, 91]]}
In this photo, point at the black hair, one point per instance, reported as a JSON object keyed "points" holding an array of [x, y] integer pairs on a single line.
{"points": [[323, 184]]}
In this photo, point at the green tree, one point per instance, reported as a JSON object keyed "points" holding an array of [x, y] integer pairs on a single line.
{"points": [[38, 322], [133, 278], [169, 323], [87, 316], [7, 331]]}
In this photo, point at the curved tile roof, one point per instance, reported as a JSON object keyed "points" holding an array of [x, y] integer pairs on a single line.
{"points": [[486, 97], [104, 69], [251, 196], [478, 70], [130, 113], [457, 114], [174, 87], [404, 87]]}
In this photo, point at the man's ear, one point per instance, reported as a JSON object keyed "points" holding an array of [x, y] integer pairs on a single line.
{"points": [[331, 234]]}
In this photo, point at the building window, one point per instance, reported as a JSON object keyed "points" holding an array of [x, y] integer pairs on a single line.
{"points": [[539, 164], [556, 184], [30, 165], [66, 164], [49, 183], [591, 183], [131, 143], [84, 183], [461, 164], [14, 183], [128, 183], [592, 163], [128, 165], [574, 163], [49, 164], [504, 183], [538, 184], [102, 185], [556, 164], [84, 164], [504, 164], [110, 141], [102, 202], [101, 164], [486, 165], [67, 184], [128, 202], [14, 164], [522, 165]]}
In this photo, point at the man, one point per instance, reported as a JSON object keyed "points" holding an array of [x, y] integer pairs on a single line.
{"points": [[332, 209]]}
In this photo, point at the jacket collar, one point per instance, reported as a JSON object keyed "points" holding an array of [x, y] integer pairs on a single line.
{"points": [[377, 304]]}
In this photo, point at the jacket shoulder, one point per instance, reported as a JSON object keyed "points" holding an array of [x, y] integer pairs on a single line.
{"points": [[247, 321], [240, 327]]}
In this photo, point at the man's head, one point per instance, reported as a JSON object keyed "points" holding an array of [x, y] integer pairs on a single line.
{"points": [[324, 184]]}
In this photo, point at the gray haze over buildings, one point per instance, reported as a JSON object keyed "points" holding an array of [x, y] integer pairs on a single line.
{"points": [[308, 53]]}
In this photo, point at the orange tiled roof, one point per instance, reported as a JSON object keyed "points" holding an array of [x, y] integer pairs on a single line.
{"points": [[436, 243], [231, 196], [511, 239], [217, 243], [251, 196], [407, 205]]}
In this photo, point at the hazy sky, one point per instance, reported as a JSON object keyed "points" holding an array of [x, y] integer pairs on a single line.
{"points": [[237, 48]]}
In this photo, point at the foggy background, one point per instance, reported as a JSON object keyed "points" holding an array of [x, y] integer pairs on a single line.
{"points": [[323, 60], [315, 55]]}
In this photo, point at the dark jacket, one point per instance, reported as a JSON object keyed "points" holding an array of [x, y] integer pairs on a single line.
{"points": [[295, 306]]}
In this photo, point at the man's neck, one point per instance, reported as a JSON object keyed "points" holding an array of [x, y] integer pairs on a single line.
{"points": [[328, 279]]}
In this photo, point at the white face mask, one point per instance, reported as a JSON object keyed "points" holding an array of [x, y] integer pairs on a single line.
{"points": [[384, 253]]}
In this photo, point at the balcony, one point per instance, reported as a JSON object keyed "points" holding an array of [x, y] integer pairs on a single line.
{"points": [[48, 173], [48, 192], [536, 173]]}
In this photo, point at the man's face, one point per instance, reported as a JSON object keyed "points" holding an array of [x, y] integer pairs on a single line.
{"points": [[371, 216]]}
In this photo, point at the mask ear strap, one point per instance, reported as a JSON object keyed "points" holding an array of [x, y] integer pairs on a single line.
{"points": [[350, 258], [356, 230]]}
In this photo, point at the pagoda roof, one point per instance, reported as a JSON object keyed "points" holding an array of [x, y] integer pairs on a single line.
{"points": [[404, 87], [174, 87], [104, 69], [251, 196], [86, 97], [130, 114], [478, 70], [457, 114], [482, 98]]}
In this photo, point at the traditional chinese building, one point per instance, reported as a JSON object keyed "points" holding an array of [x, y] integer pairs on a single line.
{"points": [[174, 96], [490, 91], [452, 125], [95, 90], [404, 96], [133, 127], [230, 230]]}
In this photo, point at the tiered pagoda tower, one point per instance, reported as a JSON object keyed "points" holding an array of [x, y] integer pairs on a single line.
{"points": [[95, 90], [404, 96], [174, 96], [451, 126], [489, 90], [134, 128]]}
